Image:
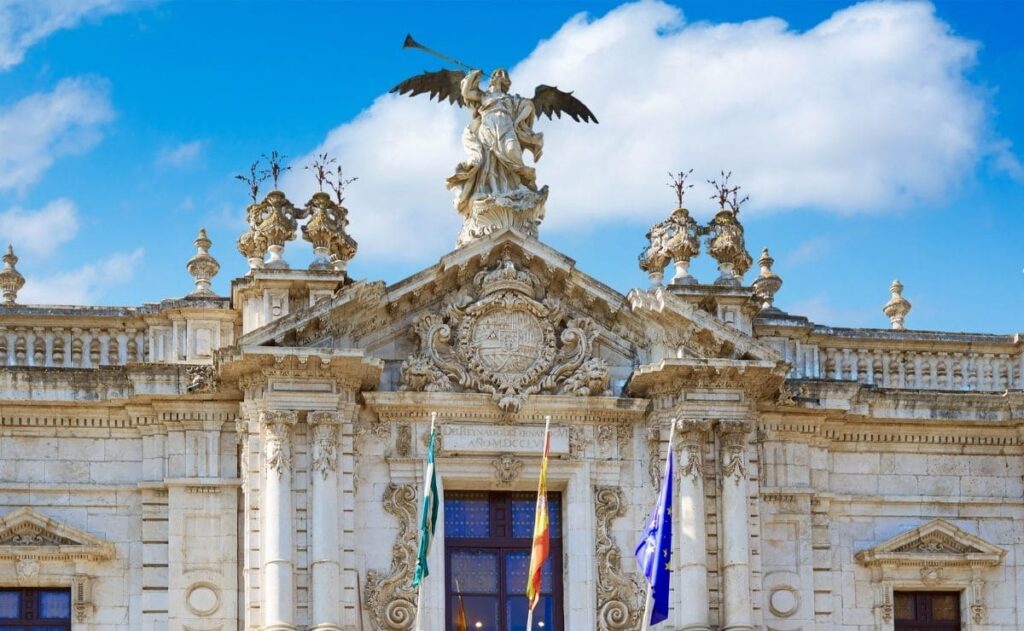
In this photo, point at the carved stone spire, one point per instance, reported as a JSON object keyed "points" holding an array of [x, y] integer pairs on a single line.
{"points": [[768, 283], [10, 279], [898, 307], [203, 267]]}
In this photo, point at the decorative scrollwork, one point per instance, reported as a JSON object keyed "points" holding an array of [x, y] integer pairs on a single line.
{"points": [[390, 601], [619, 595], [505, 342]]}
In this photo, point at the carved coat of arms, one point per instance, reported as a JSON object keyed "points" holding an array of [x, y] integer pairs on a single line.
{"points": [[505, 342]]}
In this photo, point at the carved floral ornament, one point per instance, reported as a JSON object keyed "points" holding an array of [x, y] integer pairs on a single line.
{"points": [[277, 444], [938, 555], [504, 341]]}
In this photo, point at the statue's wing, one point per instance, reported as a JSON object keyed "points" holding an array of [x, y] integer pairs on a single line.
{"points": [[441, 85], [548, 100]]}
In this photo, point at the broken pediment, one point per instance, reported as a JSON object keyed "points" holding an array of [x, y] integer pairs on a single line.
{"points": [[26, 533], [937, 543]]}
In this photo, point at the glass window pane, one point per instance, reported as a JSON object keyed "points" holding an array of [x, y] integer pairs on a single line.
{"points": [[467, 515], [516, 613], [945, 607], [904, 606], [474, 572], [10, 605], [517, 571], [481, 612], [55, 605], [522, 515]]}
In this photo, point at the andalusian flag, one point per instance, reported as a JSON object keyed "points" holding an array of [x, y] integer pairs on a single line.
{"points": [[428, 514], [541, 531]]}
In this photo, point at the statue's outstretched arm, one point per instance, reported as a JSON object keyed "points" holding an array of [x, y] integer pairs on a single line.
{"points": [[471, 92]]}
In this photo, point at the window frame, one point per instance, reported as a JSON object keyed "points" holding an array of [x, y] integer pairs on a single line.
{"points": [[928, 625], [499, 504], [29, 604]]}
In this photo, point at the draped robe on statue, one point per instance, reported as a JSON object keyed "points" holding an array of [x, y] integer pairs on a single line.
{"points": [[501, 130]]}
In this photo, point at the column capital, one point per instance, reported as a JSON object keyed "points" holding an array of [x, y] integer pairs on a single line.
{"points": [[277, 444], [278, 417], [730, 429], [324, 417], [692, 429]]}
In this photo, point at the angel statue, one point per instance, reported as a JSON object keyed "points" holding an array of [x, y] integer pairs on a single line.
{"points": [[496, 188]]}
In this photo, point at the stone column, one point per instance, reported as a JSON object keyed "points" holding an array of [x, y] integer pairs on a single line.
{"points": [[692, 590], [735, 558], [277, 589], [325, 561]]}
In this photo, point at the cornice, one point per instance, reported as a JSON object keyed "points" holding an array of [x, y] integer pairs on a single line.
{"points": [[472, 407], [758, 379]]}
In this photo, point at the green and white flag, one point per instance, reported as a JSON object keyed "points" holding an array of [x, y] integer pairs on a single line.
{"points": [[428, 513]]}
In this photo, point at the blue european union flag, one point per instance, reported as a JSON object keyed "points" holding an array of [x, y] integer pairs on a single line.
{"points": [[654, 552]]}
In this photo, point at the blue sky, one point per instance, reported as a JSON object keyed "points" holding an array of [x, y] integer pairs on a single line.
{"points": [[876, 141]]}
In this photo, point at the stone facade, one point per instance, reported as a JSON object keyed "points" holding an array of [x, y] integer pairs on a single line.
{"points": [[255, 462]]}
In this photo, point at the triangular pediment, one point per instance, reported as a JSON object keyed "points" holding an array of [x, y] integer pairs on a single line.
{"points": [[511, 316], [26, 533], [371, 314], [936, 543]]}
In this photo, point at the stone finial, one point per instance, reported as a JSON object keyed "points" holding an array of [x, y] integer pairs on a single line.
{"points": [[203, 267], [272, 223], [10, 279], [898, 307], [655, 256], [768, 283], [725, 233], [333, 248]]}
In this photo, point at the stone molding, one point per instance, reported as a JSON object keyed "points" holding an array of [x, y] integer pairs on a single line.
{"points": [[389, 599], [619, 595]]}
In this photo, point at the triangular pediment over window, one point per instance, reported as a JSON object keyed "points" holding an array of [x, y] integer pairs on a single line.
{"points": [[937, 543], [26, 533]]}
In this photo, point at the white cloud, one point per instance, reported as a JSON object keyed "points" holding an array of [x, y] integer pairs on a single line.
{"points": [[41, 127], [867, 111], [821, 310], [809, 251], [184, 155], [83, 286], [24, 23], [39, 232]]}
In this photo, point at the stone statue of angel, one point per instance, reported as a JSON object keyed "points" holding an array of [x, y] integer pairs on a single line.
{"points": [[496, 188]]}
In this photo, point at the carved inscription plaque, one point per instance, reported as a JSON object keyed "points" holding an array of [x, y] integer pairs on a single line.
{"points": [[495, 439]]}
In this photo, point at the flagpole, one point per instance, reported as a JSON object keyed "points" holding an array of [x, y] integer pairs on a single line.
{"points": [[547, 428], [419, 587], [649, 602]]}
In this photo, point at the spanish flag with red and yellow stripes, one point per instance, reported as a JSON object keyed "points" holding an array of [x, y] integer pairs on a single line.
{"points": [[541, 530]]}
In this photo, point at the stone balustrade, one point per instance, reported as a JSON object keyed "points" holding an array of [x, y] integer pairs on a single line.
{"points": [[175, 331], [917, 360], [72, 346]]}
